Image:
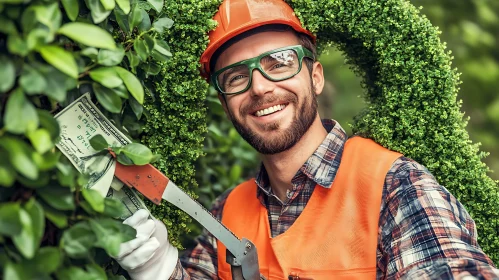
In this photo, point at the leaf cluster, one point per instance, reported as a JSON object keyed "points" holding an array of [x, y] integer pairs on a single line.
{"points": [[130, 154], [51, 53], [49, 232]]}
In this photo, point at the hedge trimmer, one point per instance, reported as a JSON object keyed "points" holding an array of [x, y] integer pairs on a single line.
{"points": [[149, 181]]}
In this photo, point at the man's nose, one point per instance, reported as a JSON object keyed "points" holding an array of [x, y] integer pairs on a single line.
{"points": [[260, 85]]}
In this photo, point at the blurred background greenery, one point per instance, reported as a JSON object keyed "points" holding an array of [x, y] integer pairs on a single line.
{"points": [[470, 30]]}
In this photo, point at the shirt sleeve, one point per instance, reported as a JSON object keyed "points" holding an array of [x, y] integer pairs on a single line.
{"points": [[201, 262], [425, 233]]}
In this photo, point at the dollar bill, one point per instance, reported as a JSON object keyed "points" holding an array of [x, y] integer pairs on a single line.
{"points": [[79, 122]]}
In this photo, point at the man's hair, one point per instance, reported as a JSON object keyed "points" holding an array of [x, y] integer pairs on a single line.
{"points": [[304, 39]]}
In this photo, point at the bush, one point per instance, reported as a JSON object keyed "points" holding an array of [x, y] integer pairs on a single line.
{"points": [[176, 121], [51, 53]]}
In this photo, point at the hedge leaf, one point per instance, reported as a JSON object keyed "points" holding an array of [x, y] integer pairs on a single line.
{"points": [[87, 33], [132, 84], [10, 222], [8, 74], [72, 8], [20, 123], [60, 59], [106, 76]]}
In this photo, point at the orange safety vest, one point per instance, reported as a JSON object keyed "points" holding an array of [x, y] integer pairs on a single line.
{"points": [[335, 236]]}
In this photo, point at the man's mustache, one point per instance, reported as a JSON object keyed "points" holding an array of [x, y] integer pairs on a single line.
{"points": [[269, 99]]}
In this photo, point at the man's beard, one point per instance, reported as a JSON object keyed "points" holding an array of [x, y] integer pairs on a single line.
{"points": [[303, 118]]}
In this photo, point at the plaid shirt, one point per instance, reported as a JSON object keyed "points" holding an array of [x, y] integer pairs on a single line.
{"points": [[424, 232]]}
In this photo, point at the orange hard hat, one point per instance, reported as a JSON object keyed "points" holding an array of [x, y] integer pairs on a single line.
{"points": [[237, 16]]}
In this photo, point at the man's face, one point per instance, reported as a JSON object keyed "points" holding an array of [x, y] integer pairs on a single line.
{"points": [[271, 116]]}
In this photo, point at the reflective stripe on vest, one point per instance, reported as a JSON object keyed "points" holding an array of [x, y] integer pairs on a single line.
{"points": [[336, 234]]}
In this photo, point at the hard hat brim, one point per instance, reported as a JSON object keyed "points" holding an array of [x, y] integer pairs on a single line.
{"points": [[213, 46]]}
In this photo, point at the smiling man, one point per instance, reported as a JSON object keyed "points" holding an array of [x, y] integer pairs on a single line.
{"points": [[271, 123], [322, 206]]}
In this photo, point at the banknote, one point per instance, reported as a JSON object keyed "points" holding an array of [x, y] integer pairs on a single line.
{"points": [[79, 122]]}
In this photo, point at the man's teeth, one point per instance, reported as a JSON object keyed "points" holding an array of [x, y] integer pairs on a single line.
{"points": [[269, 110]]}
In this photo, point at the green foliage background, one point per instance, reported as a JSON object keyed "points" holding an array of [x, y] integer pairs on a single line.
{"points": [[52, 52], [51, 228], [471, 30]]}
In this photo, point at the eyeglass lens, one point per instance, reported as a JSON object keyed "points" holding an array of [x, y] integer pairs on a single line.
{"points": [[277, 66]]}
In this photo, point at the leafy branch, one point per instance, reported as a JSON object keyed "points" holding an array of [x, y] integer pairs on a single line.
{"points": [[50, 225], [130, 154]]}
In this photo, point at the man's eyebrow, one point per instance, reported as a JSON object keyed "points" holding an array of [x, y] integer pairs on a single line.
{"points": [[267, 58], [226, 73], [231, 70]]}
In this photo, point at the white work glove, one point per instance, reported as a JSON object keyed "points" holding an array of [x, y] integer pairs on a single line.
{"points": [[149, 255]]}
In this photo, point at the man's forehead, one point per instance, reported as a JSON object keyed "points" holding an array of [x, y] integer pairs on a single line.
{"points": [[255, 45]]}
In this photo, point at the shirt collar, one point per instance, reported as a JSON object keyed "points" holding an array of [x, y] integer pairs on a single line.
{"points": [[322, 165]]}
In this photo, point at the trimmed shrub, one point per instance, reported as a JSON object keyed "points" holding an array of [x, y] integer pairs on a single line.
{"points": [[176, 121]]}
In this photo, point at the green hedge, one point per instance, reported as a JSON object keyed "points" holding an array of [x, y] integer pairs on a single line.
{"points": [[52, 52], [176, 122]]}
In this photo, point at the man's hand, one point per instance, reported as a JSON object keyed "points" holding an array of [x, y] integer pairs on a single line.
{"points": [[149, 255]]}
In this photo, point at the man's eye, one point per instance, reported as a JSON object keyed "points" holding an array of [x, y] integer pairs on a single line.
{"points": [[236, 78], [278, 65]]}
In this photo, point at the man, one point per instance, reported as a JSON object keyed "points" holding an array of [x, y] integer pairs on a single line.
{"points": [[322, 206]]}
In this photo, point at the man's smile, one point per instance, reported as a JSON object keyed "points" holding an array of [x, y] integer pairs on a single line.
{"points": [[269, 110]]}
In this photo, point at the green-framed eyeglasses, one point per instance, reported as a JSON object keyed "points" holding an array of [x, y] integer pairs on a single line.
{"points": [[275, 65]]}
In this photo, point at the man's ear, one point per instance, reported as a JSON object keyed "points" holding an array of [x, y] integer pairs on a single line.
{"points": [[223, 101], [318, 77]]}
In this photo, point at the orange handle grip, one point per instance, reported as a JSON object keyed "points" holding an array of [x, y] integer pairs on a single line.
{"points": [[146, 179]]}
